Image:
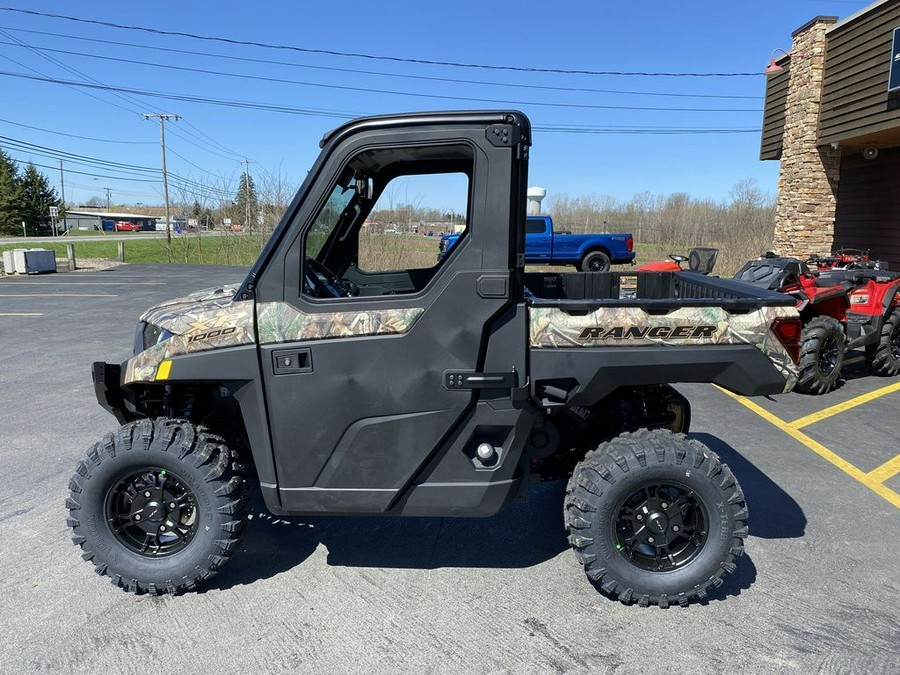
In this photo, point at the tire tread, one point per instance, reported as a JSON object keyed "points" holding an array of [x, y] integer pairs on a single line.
{"points": [[184, 440]]}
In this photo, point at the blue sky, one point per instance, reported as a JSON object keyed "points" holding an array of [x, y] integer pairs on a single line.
{"points": [[208, 144]]}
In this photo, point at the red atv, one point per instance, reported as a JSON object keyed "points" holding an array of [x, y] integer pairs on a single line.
{"points": [[841, 309], [846, 259]]}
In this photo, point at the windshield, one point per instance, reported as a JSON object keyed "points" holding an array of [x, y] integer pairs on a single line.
{"points": [[326, 222]]}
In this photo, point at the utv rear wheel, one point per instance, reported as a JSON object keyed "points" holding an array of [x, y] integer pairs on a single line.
{"points": [[157, 506], [595, 261], [884, 356], [822, 347], [655, 518]]}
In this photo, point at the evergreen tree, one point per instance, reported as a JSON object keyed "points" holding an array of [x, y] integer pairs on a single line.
{"points": [[246, 202], [37, 198], [10, 196]]}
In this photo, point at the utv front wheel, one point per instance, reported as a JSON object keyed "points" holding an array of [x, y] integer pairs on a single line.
{"points": [[655, 518], [884, 356], [822, 346], [157, 506]]}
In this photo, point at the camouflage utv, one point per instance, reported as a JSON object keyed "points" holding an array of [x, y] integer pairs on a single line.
{"points": [[343, 378]]}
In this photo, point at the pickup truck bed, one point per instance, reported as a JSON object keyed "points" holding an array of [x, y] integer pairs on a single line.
{"points": [[613, 329]]}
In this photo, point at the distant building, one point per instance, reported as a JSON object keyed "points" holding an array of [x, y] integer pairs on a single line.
{"points": [[90, 219]]}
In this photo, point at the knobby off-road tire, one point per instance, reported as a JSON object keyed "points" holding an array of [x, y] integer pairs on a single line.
{"points": [[595, 261], [822, 347], [157, 506], [884, 356], [655, 518]]}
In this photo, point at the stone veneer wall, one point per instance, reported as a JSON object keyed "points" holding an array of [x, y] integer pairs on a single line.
{"points": [[808, 180]]}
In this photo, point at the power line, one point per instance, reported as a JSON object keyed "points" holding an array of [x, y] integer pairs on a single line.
{"points": [[84, 138], [129, 100], [104, 164], [313, 112], [374, 57], [85, 173], [356, 71], [211, 139], [79, 157], [65, 67], [233, 103], [639, 132], [375, 90]]}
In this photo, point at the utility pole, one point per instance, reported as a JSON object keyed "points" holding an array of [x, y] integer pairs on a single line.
{"points": [[108, 193], [62, 184], [247, 192], [162, 142]]}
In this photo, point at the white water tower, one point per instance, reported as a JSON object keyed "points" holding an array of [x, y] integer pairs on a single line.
{"points": [[535, 196]]}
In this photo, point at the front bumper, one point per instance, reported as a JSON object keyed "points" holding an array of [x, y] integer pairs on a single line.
{"points": [[110, 394]]}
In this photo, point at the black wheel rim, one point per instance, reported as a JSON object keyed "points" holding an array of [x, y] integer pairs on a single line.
{"points": [[828, 355], [152, 512], [596, 265], [661, 527]]}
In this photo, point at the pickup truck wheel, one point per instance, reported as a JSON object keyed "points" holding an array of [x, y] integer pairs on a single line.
{"points": [[884, 356], [655, 518], [595, 261], [822, 347], [157, 506]]}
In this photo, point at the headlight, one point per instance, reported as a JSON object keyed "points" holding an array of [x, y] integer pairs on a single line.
{"points": [[149, 334]]}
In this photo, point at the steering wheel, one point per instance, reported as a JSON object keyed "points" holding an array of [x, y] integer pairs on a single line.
{"points": [[677, 258], [321, 282]]}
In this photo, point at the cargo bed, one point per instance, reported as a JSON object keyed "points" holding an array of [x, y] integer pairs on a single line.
{"points": [[612, 329]]}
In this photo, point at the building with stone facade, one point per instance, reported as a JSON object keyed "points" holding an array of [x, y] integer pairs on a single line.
{"points": [[832, 118]]}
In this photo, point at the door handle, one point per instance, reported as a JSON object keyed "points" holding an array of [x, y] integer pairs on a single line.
{"points": [[290, 361]]}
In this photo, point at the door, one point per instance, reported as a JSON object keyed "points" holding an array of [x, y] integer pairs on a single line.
{"points": [[361, 350], [538, 239]]}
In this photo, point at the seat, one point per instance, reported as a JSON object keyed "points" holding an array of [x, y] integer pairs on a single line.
{"points": [[702, 259]]}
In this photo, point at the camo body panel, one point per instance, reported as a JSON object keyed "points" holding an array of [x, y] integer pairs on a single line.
{"points": [[211, 319], [198, 323], [552, 328], [281, 322]]}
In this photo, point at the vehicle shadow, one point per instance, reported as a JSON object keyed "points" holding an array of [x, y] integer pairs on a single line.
{"points": [[773, 512], [523, 534]]}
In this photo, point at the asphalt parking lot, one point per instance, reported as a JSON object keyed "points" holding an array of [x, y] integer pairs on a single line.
{"points": [[817, 590]]}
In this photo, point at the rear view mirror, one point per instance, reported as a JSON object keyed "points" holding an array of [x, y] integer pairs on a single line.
{"points": [[364, 187]]}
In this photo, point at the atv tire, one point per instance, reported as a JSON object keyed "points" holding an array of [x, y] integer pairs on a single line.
{"points": [[655, 518], [157, 506], [595, 261], [884, 356], [822, 347]]}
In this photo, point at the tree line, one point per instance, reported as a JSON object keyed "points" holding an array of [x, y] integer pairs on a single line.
{"points": [[25, 197], [741, 226]]}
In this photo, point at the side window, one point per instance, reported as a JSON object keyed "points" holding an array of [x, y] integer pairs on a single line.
{"points": [[534, 226], [391, 219], [413, 219]]}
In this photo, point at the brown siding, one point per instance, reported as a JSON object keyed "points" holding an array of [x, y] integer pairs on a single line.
{"points": [[773, 113], [868, 206], [857, 61]]}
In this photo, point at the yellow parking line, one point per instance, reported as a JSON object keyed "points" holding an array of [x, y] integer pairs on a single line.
{"points": [[887, 470], [855, 359], [841, 407], [819, 449], [20, 314], [58, 295]]}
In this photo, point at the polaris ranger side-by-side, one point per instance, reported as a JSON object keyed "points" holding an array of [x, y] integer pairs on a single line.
{"points": [[343, 380]]}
